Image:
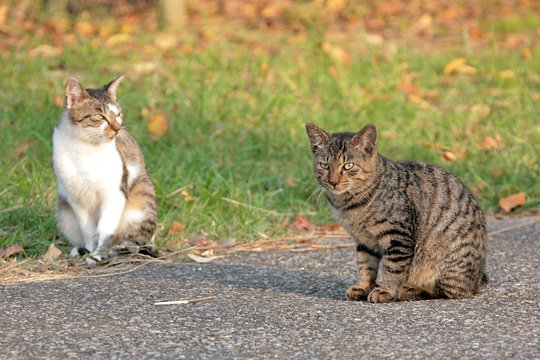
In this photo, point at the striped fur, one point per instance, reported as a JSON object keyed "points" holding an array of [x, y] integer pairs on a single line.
{"points": [[417, 223], [105, 196]]}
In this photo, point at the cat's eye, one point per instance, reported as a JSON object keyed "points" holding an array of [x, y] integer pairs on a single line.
{"points": [[348, 166], [324, 166]]}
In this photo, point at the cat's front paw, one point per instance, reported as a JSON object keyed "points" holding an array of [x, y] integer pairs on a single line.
{"points": [[78, 251], [380, 295], [357, 292], [97, 258]]}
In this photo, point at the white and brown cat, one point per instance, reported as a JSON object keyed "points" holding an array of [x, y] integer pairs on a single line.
{"points": [[105, 196]]}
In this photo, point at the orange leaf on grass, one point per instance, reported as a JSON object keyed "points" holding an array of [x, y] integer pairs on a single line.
{"points": [[449, 155], [510, 202], [176, 227], [157, 127], [496, 173], [85, 28], [336, 52], [59, 101], [4, 9], [332, 227], [507, 74], [454, 65], [480, 111], [301, 223], [491, 143], [45, 51]]}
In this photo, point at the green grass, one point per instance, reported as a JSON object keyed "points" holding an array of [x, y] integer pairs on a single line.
{"points": [[236, 112]]}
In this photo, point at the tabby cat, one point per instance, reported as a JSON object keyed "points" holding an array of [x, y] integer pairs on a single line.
{"points": [[105, 196], [419, 221]]}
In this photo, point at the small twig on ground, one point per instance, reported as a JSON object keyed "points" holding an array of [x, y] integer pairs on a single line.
{"points": [[15, 265], [188, 301], [508, 228], [177, 191]]}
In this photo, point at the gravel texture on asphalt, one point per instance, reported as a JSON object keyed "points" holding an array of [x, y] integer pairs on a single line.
{"points": [[275, 305]]}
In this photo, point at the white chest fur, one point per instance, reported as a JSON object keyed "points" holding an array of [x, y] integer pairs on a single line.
{"points": [[85, 172]]}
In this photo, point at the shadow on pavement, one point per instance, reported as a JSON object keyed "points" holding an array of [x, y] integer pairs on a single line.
{"points": [[252, 277]]}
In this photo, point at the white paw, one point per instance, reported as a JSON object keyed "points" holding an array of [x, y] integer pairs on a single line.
{"points": [[91, 262], [95, 259], [77, 251]]}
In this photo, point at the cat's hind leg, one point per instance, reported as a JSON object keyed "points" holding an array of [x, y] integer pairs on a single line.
{"points": [[69, 226], [421, 284]]}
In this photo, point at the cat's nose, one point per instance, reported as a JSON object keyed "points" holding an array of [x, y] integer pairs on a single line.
{"points": [[333, 183], [115, 126]]}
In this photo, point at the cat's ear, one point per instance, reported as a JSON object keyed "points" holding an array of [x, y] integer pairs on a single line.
{"points": [[74, 93], [317, 136], [112, 87], [365, 139]]}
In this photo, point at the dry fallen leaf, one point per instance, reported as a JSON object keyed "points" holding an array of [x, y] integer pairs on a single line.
{"points": [[429, 145], [166, 41], [45, 51], [510, 202], [187, 196], [4, 9], [454, 65], [85, 28], [59, 101], [480, 111], [335, 52], [332, 227], [491, 143], [202, 259], [291, 181], [389, 134], [449, 155], [336, 6], [145, 68], [117, 39], [157, 127], [527, 54], [418, 101], [10, 251], [507, 74], [21, 148], [466, 70], [176, 227], [202, 242], [301, 223], [52, 253], [496, 173]]}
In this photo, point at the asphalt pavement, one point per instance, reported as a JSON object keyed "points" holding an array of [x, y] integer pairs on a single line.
{"points": [[277, 304]]}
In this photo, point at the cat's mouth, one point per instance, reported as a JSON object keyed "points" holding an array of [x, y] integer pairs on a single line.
{"points": [[337, 191]]}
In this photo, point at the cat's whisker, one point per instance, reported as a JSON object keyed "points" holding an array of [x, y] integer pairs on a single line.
{"points": [[319, 197], [314, 192]]}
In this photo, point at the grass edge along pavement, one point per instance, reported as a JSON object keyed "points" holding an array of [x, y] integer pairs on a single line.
{"points": [[235, 115]]}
